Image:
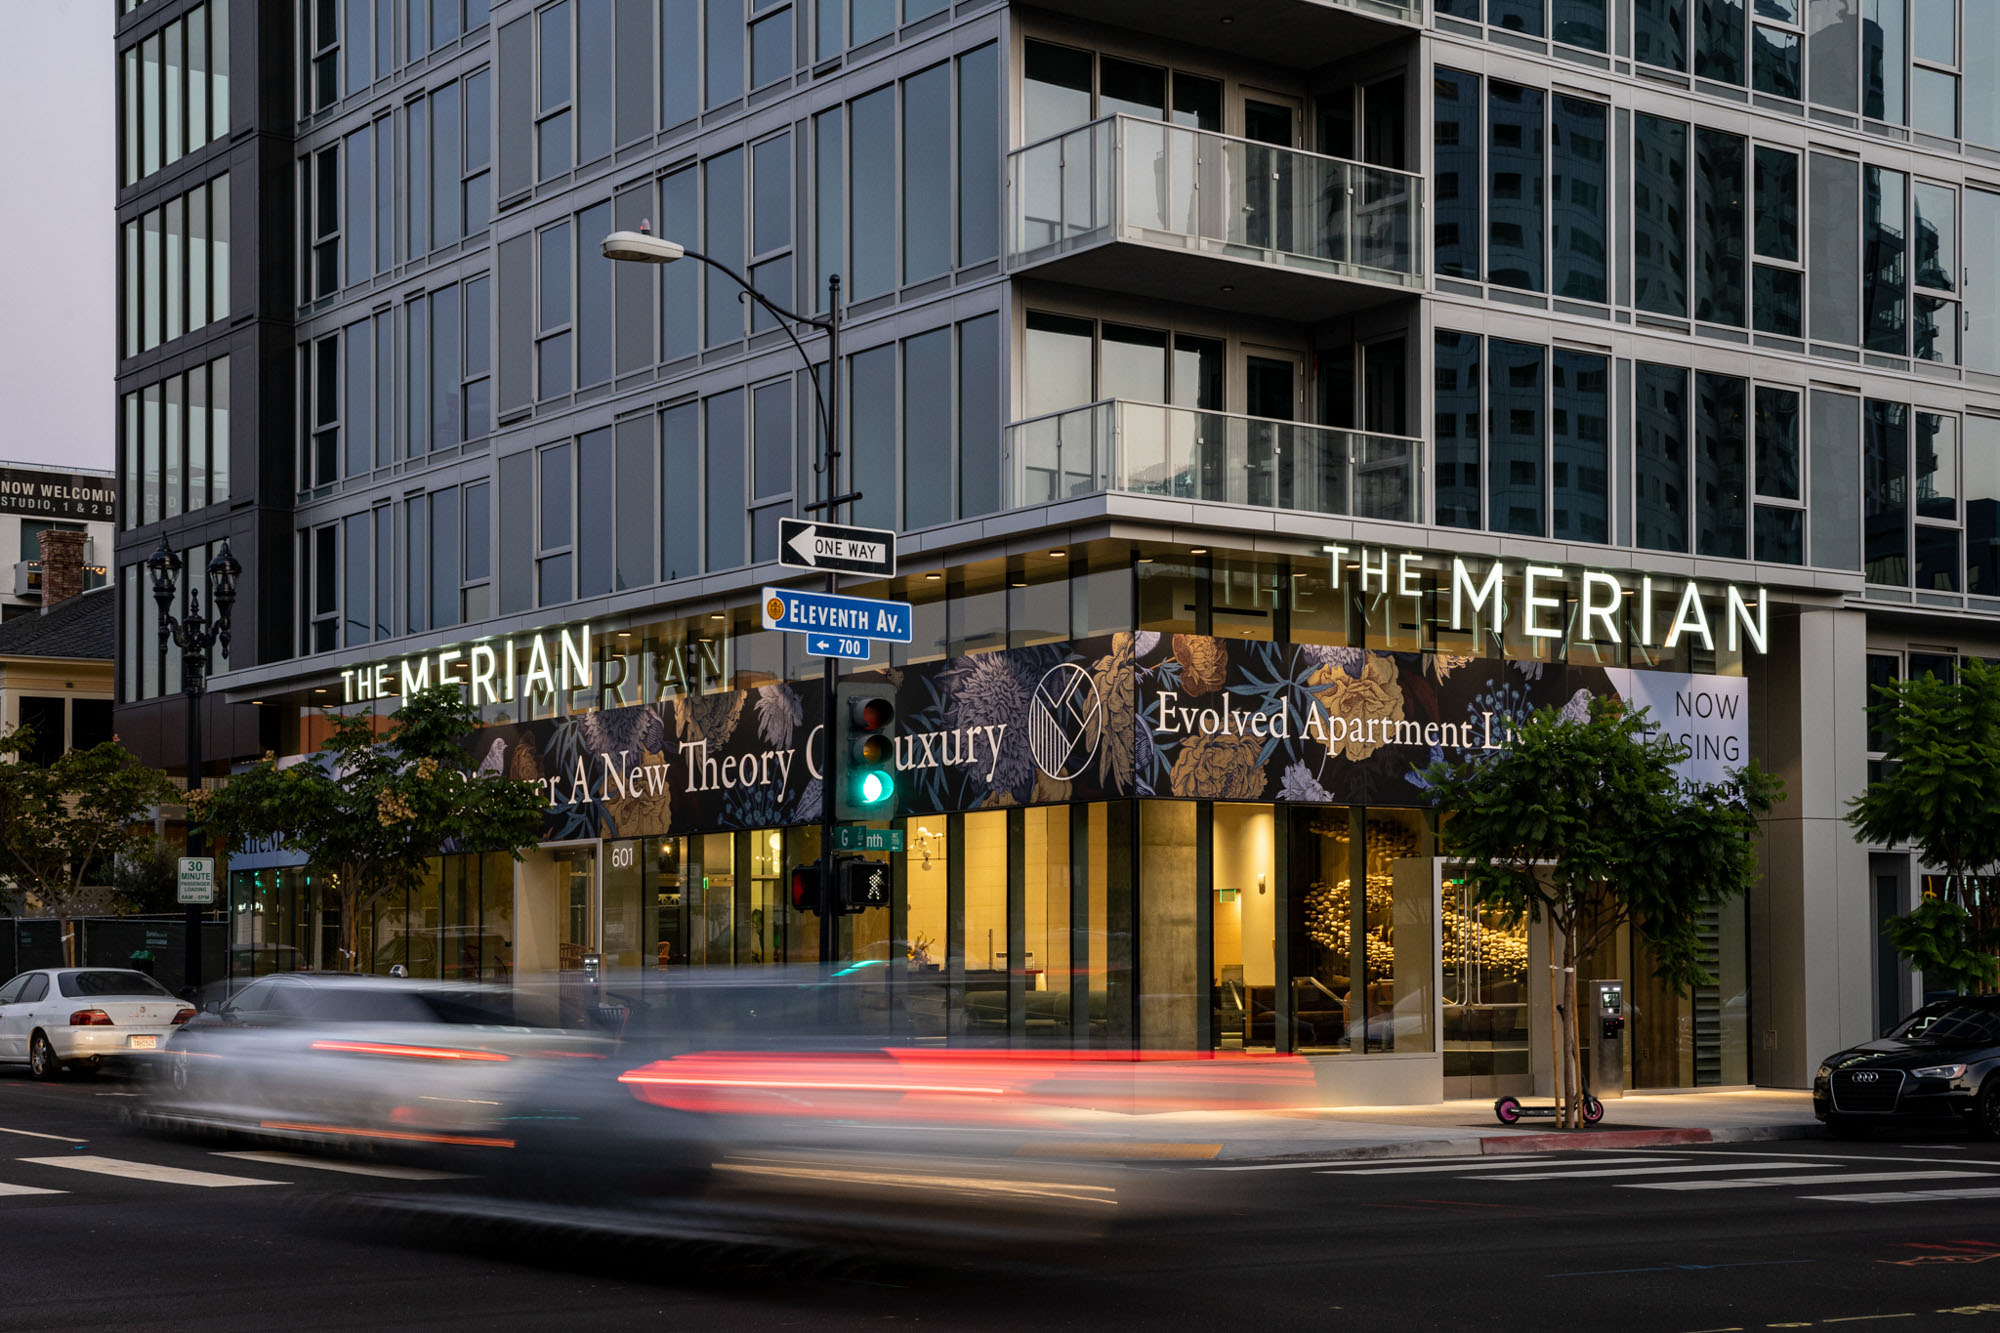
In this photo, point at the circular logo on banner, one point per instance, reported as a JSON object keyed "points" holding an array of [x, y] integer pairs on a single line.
{"points": [[775, 608], [1065, 722]]}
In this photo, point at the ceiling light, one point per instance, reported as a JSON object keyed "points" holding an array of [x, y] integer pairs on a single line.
{"points": [[1058, 553], [623, 635], [718, 616], [934, 576], [1197, 550], [1020, 583]]}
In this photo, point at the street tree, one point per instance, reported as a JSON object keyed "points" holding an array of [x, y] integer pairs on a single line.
{"points": [[64, 824], [380, 800], [1938, 793], [1585, 825]]}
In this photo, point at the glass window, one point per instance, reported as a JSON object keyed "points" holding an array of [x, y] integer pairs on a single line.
{"points": [[1777, 188], [869, 19], [416, 564], [1661, 470], [359, 407], [1659, 214], [979, 416], [680, 57], [1885, 61], [1777, 443], [1128, 89], [1577, 198], [594, 48], [872, 193], [1982, 506], [771, 49], [1935, 218], [1659, 33], [1515, 173], [1885, 515], [978, 161], [635, 500], [680, 284], [1833, 248], [1580, 23], [1885, 257], [1937, 467], [1516, 436], [1580, 415], [445, 552], [594, 480], [724, 485], [1718, 51], [927, 174], [872, 432], [1522, 16], [594, 327], [1719, 227], [1721, 465], [1774, 62], [1455, 426], [927, 419], [723, 232], [722, 59], [517, 514], [771, 194], [1934, 102], [1781, 535], [1456, 147], [681, 493], [1058, 363], [1833, 479], [360, 207], [1056, 89]]}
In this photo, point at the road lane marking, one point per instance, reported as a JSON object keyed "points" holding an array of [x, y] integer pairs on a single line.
{"points": [[1659, 1170], [350, 1168], [8, 1191], [1765, 1182], [36, 1134], [1484, 1164], [147, 1171], [1911, 1196]]}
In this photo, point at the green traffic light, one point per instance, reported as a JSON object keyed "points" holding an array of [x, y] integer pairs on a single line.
{"points": [[873, 788]]}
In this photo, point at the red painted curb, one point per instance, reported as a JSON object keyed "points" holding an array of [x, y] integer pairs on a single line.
{"points": [[1592, 1138]]}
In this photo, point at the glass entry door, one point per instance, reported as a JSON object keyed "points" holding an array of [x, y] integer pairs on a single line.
{"points": [[576, 918], [1271, 395], [1268, 183]]}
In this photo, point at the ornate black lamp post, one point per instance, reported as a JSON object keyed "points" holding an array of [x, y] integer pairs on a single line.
{"points": [[195, 633]]}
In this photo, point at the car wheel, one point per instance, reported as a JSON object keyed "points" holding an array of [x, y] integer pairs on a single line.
{"points": [[1986, 1111], [42, 1062], [1841, 1127]]}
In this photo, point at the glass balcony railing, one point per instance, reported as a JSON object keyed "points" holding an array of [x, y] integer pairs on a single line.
{"points": [[1123, 178], [1189, 454]]}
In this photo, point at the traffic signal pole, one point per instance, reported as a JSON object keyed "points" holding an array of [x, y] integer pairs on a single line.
{"points": [[829, 783]]}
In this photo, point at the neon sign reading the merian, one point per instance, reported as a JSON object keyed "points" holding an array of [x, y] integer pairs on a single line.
{"points": [[1664, 612], [490, 670]]}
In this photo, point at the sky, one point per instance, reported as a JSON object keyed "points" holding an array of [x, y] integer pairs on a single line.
{"points": [[57, 235]]}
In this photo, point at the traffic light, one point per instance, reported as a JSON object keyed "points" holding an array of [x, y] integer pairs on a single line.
{"points": [[863, 884], [805, 889], [864, 778]]}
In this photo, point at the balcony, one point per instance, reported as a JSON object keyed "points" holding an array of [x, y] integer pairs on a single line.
{"points": [[1295, 34], [1185, 453], [1141, 206]]}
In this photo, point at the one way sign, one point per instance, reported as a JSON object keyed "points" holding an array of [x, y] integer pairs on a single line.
{"points": [[804, 545]]}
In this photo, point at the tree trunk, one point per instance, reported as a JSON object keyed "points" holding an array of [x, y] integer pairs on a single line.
{"points": [[1572, 1117], [350, 925], [65, 939], [1555, 1022]]}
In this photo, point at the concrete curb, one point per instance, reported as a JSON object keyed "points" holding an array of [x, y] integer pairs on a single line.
{"points": [[1483, 1145]]}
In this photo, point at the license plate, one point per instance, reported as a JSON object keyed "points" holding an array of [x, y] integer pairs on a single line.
{"points": [[145, 1043]]}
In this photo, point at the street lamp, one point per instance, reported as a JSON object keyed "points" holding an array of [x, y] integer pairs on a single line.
{"points": [[195, 634], [642, 247]]}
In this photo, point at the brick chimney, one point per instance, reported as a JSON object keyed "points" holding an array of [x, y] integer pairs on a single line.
{"points": [[62, 565]]}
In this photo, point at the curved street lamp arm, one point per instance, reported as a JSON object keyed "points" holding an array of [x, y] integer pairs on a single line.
{"points": [[782, 315]]}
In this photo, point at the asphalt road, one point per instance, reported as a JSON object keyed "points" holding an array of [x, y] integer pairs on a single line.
{"points": [[102, 1227]]}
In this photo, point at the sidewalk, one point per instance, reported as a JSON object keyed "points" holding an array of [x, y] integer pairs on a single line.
{"points": [[1448, 1129]]}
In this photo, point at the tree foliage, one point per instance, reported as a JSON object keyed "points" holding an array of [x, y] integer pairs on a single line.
{"points": [[65, 823], [1585, 825], [379, 802], [1939, 795]]}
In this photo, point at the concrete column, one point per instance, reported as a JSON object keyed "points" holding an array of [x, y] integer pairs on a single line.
{"points": [[1811, 925]]}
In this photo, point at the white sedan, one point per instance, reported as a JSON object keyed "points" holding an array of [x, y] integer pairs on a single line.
{"points": [[84, 1015]]}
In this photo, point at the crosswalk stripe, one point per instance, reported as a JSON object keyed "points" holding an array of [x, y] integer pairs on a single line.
{"points": [[350, 1168], [147, 1171], [9, 1190], [1911, 1196], [37, 1134], [1485, 1164], [1696, 1168], [1762, 1182]]}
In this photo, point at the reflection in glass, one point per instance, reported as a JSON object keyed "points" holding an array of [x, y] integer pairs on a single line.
{"points": [[1719, 227], [1779, 299], [1577, 198], [1659, 214], [1456, 434], [1516, 174], [1581, 421], [1774, 62], [1456, 235], [1721, 465], [1661, 509], [1719, 41], [1781, 535], [1517, 437], [1982, 506], [1777, 443], [1884, 260], [1885, 514]]}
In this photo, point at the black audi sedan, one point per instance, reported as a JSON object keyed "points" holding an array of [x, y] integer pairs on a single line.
{"points": [[1939, 1065]]}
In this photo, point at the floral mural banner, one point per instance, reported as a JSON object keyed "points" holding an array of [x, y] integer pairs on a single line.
{"points": [[1106, 718]]}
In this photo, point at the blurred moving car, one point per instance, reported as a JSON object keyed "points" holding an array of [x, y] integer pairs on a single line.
{"points": [[82, 1016], [1941, 1064], [351, 1061], [779, 1104]]}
